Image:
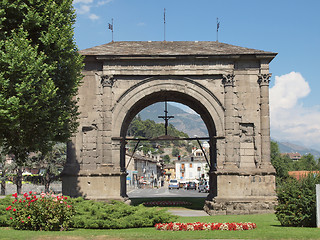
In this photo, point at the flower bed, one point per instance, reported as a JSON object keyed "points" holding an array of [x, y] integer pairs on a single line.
{"points": [[46, 212], [166, 203], [198, 226]]}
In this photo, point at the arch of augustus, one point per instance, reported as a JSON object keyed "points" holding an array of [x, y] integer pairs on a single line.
{"points": [[228, 86]]}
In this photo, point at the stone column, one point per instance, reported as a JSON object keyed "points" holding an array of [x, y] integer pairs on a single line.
{"points": [[229, 121], [107, 82], [263, 80]]}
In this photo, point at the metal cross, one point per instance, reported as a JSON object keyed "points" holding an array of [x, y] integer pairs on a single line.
{"points": [[166, 118]]}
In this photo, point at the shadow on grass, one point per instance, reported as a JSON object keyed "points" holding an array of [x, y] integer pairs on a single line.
{"points": [[196, 203]]}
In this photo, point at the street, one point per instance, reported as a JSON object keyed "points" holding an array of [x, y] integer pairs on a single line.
{"points": [[164, 192]]}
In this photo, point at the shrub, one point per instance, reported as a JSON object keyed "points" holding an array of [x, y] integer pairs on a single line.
{"points": [[5, 215], [48, 212], [297, 202], [116, 215]]}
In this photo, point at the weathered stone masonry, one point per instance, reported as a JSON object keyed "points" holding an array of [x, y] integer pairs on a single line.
{"points": [[227, 85]]}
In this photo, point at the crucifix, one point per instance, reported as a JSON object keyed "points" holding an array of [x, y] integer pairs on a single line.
{"points": [[166, 117]]}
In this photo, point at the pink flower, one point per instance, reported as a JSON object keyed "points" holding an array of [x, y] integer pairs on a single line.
{"points": [[29, 217], [68, 206]]}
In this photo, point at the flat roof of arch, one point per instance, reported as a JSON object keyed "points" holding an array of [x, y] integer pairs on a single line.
{"points": [[170, 48]]}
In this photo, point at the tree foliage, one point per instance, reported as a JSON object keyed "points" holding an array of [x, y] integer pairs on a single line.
{"points": [[40, 70], [283, 164], [51, 162], [139, 128], [297, 201], [150, 129]]}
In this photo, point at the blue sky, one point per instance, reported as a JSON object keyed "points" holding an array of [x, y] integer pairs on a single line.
{"points": [[290, 28]]}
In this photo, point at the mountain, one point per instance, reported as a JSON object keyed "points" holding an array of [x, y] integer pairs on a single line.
{"points": [[286, 147], [193, 125]]}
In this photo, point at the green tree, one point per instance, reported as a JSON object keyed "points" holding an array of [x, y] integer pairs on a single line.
{"points": [[282, 164], [166, 158], [52, 162], [40, 70], [297, 201], [306, 163], [175, 152]]}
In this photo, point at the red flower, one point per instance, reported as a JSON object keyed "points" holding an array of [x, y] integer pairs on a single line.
{"points": [[25, 194], [15, 195], [14, 210], [8, 208], [28, 217], [11, 218], [30, 192]]}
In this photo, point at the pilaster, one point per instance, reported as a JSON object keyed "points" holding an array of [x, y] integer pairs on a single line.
{"points": [[263, 80], [228, 82]]}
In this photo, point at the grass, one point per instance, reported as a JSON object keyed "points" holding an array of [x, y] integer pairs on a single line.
{"points": [[267, 228]]}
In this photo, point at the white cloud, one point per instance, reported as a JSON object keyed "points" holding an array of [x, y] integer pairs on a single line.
{"points": [[82, 1], [84, 9], [93, 17], [100, 3], [290, 120]]}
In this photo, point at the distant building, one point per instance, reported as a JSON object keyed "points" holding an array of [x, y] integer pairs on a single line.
{"points": [[192, 167], [169, 171], [294, 156], [143, 169], [301, 174]]}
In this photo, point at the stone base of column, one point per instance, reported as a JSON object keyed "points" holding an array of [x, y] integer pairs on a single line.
{"points": [[241, 191], [95, 187], [238, 206]]}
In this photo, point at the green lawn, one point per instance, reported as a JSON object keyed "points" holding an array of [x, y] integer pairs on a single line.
{"points": [[267, 228]]}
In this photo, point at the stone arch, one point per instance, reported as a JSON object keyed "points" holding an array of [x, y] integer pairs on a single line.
{"points": [[122, 78], [182, 90]]}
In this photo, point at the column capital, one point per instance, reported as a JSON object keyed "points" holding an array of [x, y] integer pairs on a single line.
{"points": [[264, 79], [227, 79], [107, 80]]}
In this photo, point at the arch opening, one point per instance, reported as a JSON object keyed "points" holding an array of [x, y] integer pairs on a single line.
{"points": [[182, 98]]}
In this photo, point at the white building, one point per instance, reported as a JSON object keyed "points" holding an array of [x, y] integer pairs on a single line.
{"points": [[192, 167]]}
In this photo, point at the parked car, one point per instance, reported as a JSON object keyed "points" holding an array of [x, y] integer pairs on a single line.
{"points": [[204, 186], [182, 184], [191, 185], [173, 184]]}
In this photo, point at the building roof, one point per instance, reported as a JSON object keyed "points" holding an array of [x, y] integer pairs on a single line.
{"points": [[301, 174], [170, 48]]}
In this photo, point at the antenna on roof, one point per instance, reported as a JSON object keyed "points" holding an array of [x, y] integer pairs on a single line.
{"points": [[110, 26], [218, 25], [164, 24]]}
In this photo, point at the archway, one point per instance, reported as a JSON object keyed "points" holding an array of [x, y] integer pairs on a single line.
{"points": [[228, 86]]}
